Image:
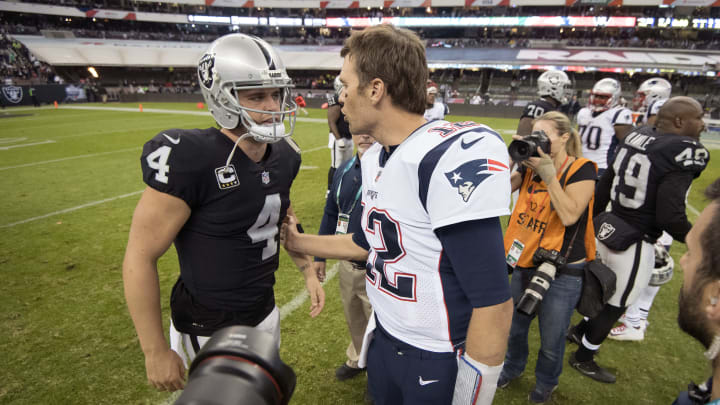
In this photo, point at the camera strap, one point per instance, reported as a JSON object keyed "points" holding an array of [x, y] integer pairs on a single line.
{"points": [[563, 182]]}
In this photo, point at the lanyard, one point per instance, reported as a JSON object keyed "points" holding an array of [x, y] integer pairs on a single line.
{"points": [[337, 194]]}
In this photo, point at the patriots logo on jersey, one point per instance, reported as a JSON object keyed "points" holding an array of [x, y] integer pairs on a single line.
{"points": [[205, 70], [469, 175]]}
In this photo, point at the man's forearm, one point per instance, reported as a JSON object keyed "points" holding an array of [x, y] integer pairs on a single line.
{"points": [[142, 293], [488, 332], [339, 247]]}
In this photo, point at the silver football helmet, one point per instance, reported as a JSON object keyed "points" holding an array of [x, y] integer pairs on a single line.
{"points": [[240, 62], [605, 95], [338, 86], [663, 270], [651, 90], [555, 84]]}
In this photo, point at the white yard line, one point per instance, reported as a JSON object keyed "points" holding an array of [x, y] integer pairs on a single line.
{"points": [[693, 210], [285, 310], [26, 144], [90, 204], [67, 158]]}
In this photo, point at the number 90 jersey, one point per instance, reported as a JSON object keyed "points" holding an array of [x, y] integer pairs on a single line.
{"points": [[597, 133], [442, 174], [228, 248], [644, 160]]}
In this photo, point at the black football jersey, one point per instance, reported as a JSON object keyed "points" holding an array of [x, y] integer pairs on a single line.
{"points": [[644, 159], [228, 248], [537, 108], [342, 125]]}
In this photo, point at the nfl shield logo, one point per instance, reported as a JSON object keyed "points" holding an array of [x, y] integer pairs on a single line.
{"points": [[265, 177], [13, 94]]}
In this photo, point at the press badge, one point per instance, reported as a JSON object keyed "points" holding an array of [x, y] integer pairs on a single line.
{"points": [[514, 253], [342, 224]]}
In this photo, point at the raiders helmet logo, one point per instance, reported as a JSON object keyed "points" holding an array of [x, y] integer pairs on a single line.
{"points": [[205, 70], [469, 175], [605, 231], [12, 94], [226, 177]]}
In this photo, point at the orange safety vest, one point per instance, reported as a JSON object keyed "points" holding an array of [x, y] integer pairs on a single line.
{"points": [[533, 221]]}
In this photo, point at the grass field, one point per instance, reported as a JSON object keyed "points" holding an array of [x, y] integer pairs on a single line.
{"points": [[70, 179]]}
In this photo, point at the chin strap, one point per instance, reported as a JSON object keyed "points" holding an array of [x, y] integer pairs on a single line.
{"points": [[232, 152]]}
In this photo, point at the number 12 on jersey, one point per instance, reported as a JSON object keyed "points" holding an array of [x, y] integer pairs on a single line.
{"points": [[389, 251]]}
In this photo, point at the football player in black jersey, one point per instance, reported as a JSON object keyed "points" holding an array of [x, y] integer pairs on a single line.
{"points": [[646, 185], [340, 137], [219, 195], [553, 89]]}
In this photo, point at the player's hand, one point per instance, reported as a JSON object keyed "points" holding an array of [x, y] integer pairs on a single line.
{"points": [[320, 271], [317, 294], [289, 234], [165, 370], [543, 166]]}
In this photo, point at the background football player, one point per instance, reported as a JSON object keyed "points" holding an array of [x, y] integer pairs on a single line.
{"points": [[553, 89], [431, 192], [340, 139], [435, 109], [219, 195], [646, 185], [603, 123], [649, 97]]}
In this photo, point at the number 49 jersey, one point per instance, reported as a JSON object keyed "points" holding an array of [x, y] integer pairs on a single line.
{"points": [[597, 133], [645, 158], [443, 173], [229, 243]]}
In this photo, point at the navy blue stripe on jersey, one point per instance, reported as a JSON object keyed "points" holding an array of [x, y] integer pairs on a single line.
{"points": [[480, 272], [456, 303], [268, 58], [428, 164], [355, 228], [649, 110], [615, 117], [611, 150]]}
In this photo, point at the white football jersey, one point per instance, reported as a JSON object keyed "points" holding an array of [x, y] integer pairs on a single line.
{"points": [[443, 173], [598, 133], [653, 109], [436, 112]]}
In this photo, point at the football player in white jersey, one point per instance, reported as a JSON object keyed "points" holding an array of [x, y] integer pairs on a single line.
{"points": [[432, 191], [219, 195], [603, 123], [649, 97], [436, 110]]}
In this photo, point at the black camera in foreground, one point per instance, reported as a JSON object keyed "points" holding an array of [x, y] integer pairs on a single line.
{"points": [[238, 365], [525, 148], [549, 261]]}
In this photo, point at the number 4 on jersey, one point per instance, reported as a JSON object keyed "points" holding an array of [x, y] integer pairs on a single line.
{"points": [[158, 161]]}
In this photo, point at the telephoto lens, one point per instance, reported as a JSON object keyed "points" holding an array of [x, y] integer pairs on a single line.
{"points": [[537, 288], [525, 148], [238, 365]]}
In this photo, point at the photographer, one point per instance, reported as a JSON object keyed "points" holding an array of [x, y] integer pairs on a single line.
{"points": [[550, 226]]}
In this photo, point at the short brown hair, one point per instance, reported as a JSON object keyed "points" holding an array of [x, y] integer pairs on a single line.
{"points": [[394, 55]]}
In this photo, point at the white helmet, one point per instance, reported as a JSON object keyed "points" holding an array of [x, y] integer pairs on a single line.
{"points": [[664, 263], [240, 62], [555, 84], [651, 90], [608, 91], [338, 86]]}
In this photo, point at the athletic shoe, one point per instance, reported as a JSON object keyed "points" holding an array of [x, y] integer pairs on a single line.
{"points": [[591, 369], [573, 335], [346, 372], [629, 333], [538, 396]]}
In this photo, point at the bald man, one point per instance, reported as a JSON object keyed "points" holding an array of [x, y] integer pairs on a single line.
{"points": [[646, 186]]}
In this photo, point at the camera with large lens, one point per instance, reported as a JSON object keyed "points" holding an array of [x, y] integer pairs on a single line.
{"points": [[525, 148], [548, 261], [239, 365]]}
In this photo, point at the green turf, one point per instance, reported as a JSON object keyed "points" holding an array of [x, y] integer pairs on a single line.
{"points": [[66, 336]]}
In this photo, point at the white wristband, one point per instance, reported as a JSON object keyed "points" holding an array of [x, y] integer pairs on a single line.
{"points": [[476, 382]]}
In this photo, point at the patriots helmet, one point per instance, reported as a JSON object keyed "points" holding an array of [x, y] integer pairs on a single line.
{"points": [[241, 62], [605, 95], [555, 84], [664, 263], [651, 90]]}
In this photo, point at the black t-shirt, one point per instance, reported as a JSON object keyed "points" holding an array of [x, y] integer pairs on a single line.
{"points": [[537, 108], [585, 172], [342, 125], [228, 248]]}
